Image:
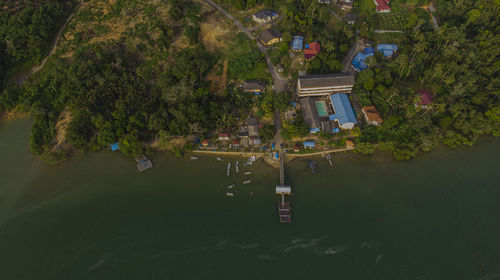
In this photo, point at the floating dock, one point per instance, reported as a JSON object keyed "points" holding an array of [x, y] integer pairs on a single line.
{"points": [[284, 208], [143, 163]]}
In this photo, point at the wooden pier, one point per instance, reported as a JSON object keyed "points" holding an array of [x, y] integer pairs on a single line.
{"points": [[284, 207], [143, 163]]}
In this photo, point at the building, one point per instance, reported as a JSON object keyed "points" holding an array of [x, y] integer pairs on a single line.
{"points": [[297, 43], [263, 16], [324, 1], [382, 6], [254, 86], [115, 146], [253, 127], [270, 36], [296, 148], [388, 50], [346, 4], [312, 49], [236, 143], [372, 116], [351, 18], [317, 85], [310, 114], [309, 144], [223, 136], [343, 113], [349, 144], [424, 99]]}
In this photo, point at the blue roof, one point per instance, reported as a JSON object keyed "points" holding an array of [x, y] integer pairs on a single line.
{"points": [[115, 146], [297, 42], [387, 49], [359, 61], [309, 144], [343, 110], [369, 50], [313, 130]]}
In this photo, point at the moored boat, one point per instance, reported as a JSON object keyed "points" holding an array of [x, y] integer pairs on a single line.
{"points": [[247, 182], [230, 186], [229, 194], [219, 159], [248, 173], [193, 157], [228, 168], [237, 167], [312, 165]]}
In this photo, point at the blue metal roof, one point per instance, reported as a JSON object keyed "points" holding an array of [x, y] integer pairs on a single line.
{"points": [[387, 49], [359, 61], [309, 144], [369, 50], [343, 110], [297, 42], [115, 146]]}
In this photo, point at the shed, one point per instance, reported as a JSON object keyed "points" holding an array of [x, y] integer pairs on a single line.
{"points": [[115, 146], [387, 50], [344, 114], [372, 116]]}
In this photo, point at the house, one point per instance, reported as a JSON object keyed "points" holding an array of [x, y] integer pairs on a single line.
{"points": [[310, 114], [346, 4], [351, 18], [297, 42], [254, 86], [205, 142], [388, 50], [309, 144], [349, 144], [223, 136], [253, 127], [372, 116], [270, 36], [344, 115], [263, 16], [317, 85], [424, 99], [324, 1], [311, 50], [382, 6], [236, 143], [255, 141]]}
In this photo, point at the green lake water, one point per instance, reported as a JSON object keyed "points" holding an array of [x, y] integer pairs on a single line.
{"points": [[95, 217]]}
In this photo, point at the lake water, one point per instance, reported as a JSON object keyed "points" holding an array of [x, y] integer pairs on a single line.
{"points": [[95, 217]]}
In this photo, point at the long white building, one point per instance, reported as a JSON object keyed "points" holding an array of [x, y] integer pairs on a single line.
{"points": [[317, 85]]}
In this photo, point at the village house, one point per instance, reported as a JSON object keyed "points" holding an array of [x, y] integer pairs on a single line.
{"points": [[263, 16], [349, 144], [424, 99], [254, 86], [372, 116], [310, 114], [382, 6], [253, 127], [387, 50], [311, 50], [318, 85], [223, 136], [346, 4], [205, 142], [236, 143], [309, 144], [270, 36]]}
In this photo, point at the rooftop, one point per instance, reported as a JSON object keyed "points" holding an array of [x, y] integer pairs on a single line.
{"points": [[327, 80], [297, 43], [425, 97], [372, 114], [269, 34], [343, 110], [265, 14]]}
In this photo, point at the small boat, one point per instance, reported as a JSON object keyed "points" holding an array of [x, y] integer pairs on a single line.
{"points": [[229, 194], [193, 157], [230, 186], [247, 182], [237, 167], [312, 165], [329, 158], [219, 159], [228, 169], [248, 173]]}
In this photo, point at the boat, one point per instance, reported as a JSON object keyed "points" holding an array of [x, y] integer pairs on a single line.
{"points": [[312, 165], [237, 167], [219, 159], [193, 157], [229, 194], [247, 182], [228, 168], [329, 158], [230, 186], [248, 173]]}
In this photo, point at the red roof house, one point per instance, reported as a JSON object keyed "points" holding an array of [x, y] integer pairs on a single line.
{"points": [[311, 50], [382, 6], [205, 142], [425, 98], [223, 136]]}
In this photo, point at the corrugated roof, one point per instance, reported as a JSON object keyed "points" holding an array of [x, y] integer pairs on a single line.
{"points": [[328, 80], [343, 110], [269, 34], [372, 114], [297, 42], [309, 112], [265, 13], [425, 97]]}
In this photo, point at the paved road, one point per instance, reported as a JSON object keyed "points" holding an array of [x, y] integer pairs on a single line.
{"points": [[280, 84], [346, 63], [387, 31], [37, 68]]}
